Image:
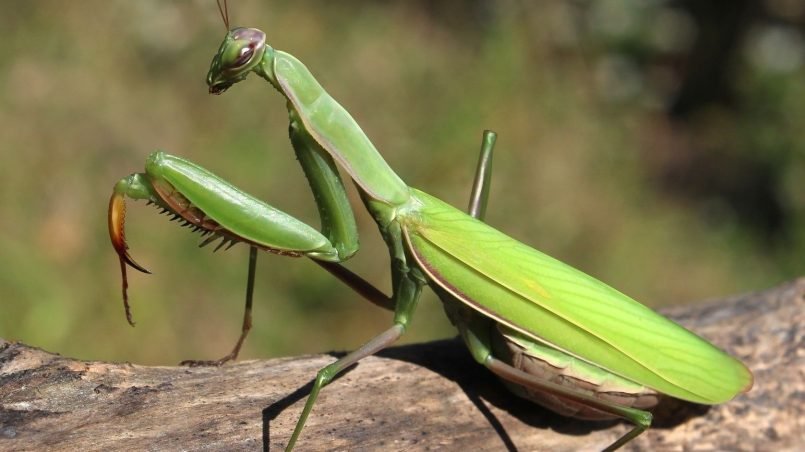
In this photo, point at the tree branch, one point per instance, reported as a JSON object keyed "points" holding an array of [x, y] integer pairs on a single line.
{"points": [[414, 397]]}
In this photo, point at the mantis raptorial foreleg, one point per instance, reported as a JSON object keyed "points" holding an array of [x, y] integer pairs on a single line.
{"points": [[323, 177]]}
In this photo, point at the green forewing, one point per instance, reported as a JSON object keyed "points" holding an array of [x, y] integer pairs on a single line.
{"points": [[233, 209], [337, 132], [555, 303]]}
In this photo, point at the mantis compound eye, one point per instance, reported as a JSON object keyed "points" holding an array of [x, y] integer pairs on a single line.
{"points": [[246, 54], [249, 42]]}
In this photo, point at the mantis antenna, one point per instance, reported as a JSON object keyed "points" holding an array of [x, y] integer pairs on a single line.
{"points": [[224, 10]]}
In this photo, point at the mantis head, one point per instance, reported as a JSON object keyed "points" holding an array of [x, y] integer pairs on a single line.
{"points": [[241, 51]]}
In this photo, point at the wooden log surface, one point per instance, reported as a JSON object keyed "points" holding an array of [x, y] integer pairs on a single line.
{"points": [[415, 397]]}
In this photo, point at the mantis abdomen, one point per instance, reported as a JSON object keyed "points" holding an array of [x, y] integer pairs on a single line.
{"points": [[555, 366]]}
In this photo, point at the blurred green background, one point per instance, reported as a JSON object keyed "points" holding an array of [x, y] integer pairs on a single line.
{"points": [[656, 145]]}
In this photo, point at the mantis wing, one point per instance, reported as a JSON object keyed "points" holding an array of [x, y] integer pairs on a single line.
{"points": [[558, 305]]}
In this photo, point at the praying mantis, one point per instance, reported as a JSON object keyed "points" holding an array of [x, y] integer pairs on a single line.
{"points": [[551, 333]]}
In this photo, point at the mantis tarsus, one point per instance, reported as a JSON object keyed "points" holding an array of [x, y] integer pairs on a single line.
{"points": [[553, 334]]}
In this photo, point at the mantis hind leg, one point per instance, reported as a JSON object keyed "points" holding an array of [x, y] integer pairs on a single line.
{"points": [[483, 177], [476, 329], [641, 419]]}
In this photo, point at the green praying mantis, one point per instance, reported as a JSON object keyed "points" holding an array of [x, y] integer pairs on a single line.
{"points": [[553, 334]]}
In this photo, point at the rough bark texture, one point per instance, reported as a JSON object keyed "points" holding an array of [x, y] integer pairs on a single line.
{"points": [[416, 397]]}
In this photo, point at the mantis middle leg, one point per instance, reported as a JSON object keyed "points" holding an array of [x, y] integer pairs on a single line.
{"points": [[407, 289]]}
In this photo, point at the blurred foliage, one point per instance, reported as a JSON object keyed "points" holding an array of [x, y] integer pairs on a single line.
{"points": [[595, 163]]}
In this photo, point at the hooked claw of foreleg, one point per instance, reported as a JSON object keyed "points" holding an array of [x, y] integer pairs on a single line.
{"points": [[117, 219]]}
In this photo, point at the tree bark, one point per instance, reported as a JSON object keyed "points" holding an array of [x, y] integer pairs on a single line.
{"points": [[414, 397]]}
